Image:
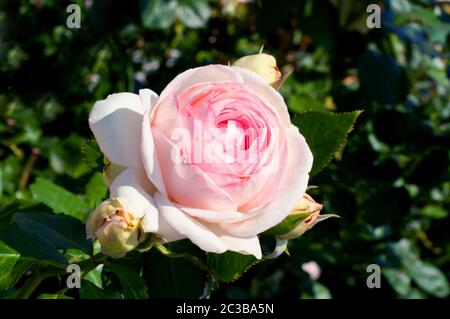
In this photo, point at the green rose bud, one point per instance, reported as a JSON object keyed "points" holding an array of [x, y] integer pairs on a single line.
{"points": [[308, 212], [117, 230], [263, 64]]}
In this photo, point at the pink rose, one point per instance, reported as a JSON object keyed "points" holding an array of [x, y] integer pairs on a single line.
{"points": [[214, 158]]}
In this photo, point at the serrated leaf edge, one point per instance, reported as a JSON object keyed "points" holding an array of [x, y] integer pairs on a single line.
{"points": [[340, 146]]}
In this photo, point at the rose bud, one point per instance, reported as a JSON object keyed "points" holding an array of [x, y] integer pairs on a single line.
{"points": [[263, 64], [309, 210], [306, 205], [117, 229]]}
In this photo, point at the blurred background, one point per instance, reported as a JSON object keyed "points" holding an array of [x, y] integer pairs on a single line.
{"points": [[390, 184]]}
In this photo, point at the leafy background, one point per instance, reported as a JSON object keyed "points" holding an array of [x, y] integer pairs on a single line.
{"points": [[389, 182]]}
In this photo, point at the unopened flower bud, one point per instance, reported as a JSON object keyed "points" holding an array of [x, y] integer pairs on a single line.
{"points": [[306, 205], [308, 208], [117, 230], [263, 64]]}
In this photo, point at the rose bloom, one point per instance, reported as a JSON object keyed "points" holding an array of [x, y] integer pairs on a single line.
{"points": [[224, 200]]}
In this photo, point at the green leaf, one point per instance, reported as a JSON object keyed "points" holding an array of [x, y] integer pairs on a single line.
{"points": [[75, 255], [415, 293], [173, 277], [428, 277], [230, 265], [382, 78], [90, 291], [29, 245], [434, 211], [66, 157], [59, 199], [301, 103], [193, 13], [95, 276], [436, 29], [91, 154], [96, 190], [133, 286], [157, 14], [325, 133], [398, 280], [6, 212], [320, 291], [12, 266], [405, 250], [39, 235], [63, 231]]}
